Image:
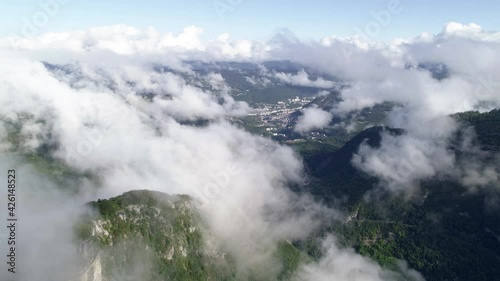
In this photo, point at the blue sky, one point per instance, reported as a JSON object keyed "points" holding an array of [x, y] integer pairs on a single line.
{"points": [[254, 19]]}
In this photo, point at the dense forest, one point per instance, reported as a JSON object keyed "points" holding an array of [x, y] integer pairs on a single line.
{"points": [[445, 231]]}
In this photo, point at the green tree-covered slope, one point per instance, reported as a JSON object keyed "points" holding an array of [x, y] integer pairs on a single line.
{"points": [[445, 231]]}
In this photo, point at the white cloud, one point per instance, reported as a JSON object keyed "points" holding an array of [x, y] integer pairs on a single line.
{"points": [[129, 41], [471, 31], [120, 39], [312, 118], [302, 79], [402, 161], [346, 265]]}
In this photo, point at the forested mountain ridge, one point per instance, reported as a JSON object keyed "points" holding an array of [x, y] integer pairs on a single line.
{"points": [[446, 231], [148, 235]]}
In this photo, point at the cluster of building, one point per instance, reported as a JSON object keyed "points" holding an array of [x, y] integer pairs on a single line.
{"points": [[277, 115]]}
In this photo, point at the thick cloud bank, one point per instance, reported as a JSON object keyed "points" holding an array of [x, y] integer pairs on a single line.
{"points": [[114, 114], [312, 118], [428, 77], [126, 126]]}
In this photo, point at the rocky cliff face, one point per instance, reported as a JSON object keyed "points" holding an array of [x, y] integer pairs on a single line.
{"points": [[144, 235]]}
